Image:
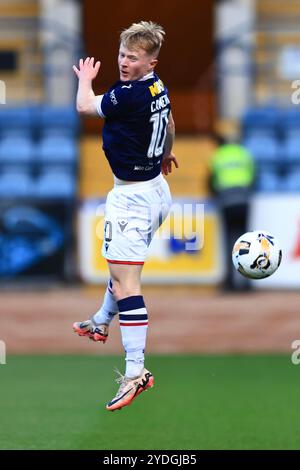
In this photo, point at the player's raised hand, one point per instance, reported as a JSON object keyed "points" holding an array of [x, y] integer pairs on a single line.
{"points": [[87, 70], [166, 165]]}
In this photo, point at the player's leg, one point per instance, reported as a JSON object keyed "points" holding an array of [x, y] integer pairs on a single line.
{"points": [[96, 328], [109, 308], [133, 319], [133, 214], [133, 315]]}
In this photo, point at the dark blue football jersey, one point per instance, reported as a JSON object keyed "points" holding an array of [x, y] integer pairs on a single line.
{"points": [[136, 116]]}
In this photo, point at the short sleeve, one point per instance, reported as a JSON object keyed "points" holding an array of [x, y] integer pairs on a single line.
{"points": [[115, 102], [98, 102]]}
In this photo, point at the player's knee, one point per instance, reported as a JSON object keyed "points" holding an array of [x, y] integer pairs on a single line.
{"points": [[122, 291]]}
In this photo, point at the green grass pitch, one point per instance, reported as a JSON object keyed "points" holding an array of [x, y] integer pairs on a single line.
{"points": [[198, 402]]}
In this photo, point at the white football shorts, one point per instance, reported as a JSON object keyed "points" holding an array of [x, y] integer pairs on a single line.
{"points": [[133, 213]]}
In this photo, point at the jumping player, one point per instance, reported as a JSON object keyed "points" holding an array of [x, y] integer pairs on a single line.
{"points": [[138, 136]]}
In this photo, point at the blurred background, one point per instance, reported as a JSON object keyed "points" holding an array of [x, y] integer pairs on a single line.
{"points": [[232, 71]]}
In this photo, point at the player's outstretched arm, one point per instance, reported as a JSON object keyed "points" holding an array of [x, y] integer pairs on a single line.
{"points": [[86, 99], [169, 157]]}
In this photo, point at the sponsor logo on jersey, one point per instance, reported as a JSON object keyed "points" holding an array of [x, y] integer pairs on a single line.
{"points": [[156, 88], [113, 97], [143, 168]]}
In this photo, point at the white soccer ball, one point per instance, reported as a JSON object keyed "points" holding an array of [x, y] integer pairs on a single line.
{"points": [[256, 255]]}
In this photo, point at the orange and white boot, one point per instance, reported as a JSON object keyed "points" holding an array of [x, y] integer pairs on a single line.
{"points": [[92, 331], [129, 389]]}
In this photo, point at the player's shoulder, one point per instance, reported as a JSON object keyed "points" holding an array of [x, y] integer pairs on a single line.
{"points": [[149, 80], [119, 93], [156, 86], [136, 92], [152, 87], [122, 88], [127, 87], [130, 91]]}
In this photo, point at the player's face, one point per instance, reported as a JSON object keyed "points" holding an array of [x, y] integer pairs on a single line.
{"points": [[134, 63]]}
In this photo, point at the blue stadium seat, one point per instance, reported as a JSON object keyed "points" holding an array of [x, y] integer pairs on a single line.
{"points": [[61, 119], [268, 181], [292, 181], [253, 133], [263, 148], [260, 119], [56, 184], [15, 118], [16, 167], [16, 149], [46, 132], [292, 132], [13, 132], [291, 148], [59, 149], [16, 184], [290, 121]]}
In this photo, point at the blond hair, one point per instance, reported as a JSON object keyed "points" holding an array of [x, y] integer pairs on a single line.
{"points": [[146, 35]]}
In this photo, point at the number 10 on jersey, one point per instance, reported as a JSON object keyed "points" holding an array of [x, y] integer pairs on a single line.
{"points": [[159, 121]]}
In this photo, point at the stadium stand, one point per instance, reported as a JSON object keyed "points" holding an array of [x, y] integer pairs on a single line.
{"points": [[16, 149], [55, 183], [272, 135], [16, 184], [57, 148], [34, 141]]}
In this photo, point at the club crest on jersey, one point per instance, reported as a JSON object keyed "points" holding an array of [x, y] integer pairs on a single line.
{"points": [[156, 88]]}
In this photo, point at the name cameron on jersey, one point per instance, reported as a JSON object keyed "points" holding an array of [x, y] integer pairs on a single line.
{"points": [[160, 103]]}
